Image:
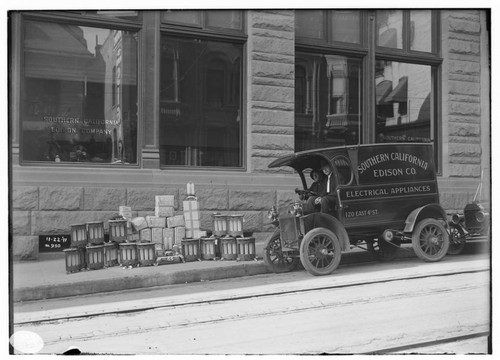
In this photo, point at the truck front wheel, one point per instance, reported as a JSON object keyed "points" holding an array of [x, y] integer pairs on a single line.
{"points": [[320, 251]]}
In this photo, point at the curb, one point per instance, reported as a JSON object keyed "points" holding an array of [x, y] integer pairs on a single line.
{"points": [[177, 277], [135, 282]]}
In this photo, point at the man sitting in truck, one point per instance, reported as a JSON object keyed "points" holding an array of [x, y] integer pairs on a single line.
{"points": [[325, 201]]}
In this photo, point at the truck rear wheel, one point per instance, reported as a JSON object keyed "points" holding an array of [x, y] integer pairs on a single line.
{"points": [[320, 251], [430, 240], [274, 258]]}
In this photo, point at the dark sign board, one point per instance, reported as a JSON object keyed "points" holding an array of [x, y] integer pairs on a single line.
{"points": [[395, 164], [53, 243]]}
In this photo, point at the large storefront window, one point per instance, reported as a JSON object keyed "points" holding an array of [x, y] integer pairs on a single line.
{"points": [[403, 102], [336, 103], [328, 97], [200, 102], [79, 98]]}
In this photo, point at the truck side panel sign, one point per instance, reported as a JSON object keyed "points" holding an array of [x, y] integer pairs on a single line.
{"points": [[392, 164]]}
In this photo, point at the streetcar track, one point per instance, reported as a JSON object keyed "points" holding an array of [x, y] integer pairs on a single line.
{"points": [[281, 309], [407, 347], [233, 298]]}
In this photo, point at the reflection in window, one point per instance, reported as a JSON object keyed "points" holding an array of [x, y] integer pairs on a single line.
{"points": [[403, 94], [79, 94], [390, 28], [329, 90], [420, 30], [309, 24], [200, 105], [345, 26]]}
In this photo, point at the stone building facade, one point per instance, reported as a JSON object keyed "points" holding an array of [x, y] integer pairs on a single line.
{"points": [[46, 199]]}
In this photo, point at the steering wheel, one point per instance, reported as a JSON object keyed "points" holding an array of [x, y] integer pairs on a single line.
{"points": [[305, 193]]}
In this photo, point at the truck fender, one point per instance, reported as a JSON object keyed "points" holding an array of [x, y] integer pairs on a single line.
{"points": [[434, 211], [318, 219]]}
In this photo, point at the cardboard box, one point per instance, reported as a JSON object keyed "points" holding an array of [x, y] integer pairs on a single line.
{"points": [[168, 238], [175, 221], [156, 221], [157, 235], [180, 233], [164, 211], [191, 218], [125, 211], [165, 200], [145, 235], [139, 223]]}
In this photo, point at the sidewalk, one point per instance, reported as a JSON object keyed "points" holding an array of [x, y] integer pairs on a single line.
{"points": [[47, 278]]}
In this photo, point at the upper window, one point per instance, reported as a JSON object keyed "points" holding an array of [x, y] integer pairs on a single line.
{"points": [[79, 94], [342, 26], [407, 30], [217, 20]]}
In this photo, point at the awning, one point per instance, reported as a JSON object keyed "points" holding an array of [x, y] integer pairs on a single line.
{"points": [[400, 92], [383, 89]]}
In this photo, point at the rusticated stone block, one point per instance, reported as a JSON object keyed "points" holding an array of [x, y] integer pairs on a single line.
{"points": [[24, 247], [465, 170], [144, 198], [273, 142], [272, 93], [21, 222], [465, 67], [278, 21], [454, 200], [60, 198], [278, 46], [464, 26], [461, 108], [285, 198], [206, 220], [278, 130], [104, 198], [25, 197], [212, 199], [272, 117], [464, 150], [268, 105], [252, 221], [251, 200], [464, 47], [59, 222], [273, 70]]}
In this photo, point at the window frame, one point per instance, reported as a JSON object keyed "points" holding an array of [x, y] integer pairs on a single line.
{"points": [[237, 37], [370, 53], [86, 20]]}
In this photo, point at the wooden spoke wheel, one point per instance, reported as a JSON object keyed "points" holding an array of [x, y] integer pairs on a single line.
{"points": [[320, 251], [275, 259], [430, 240]]}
